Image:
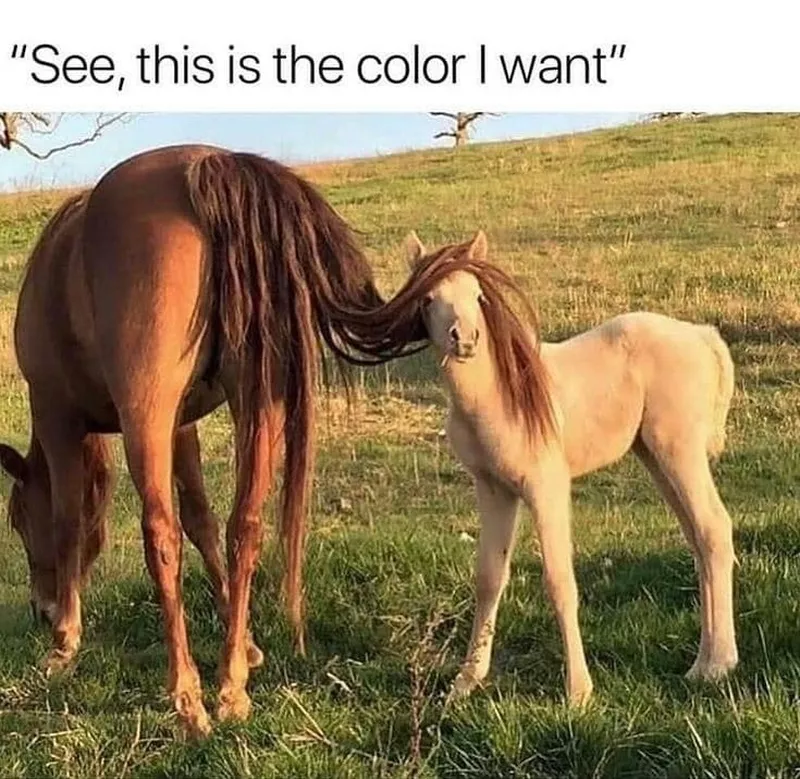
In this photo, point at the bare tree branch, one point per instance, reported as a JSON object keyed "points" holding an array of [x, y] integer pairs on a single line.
{"points": [[477, 115], [33, 121], [41, 124], [462, 121]]}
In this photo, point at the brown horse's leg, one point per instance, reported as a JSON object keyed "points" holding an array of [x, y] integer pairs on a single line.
{"points": [[61, 443], [244, 536], [202, 526], [148, 439]]}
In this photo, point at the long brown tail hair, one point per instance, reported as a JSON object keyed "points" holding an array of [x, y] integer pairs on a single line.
{"points": [[287, 278]]}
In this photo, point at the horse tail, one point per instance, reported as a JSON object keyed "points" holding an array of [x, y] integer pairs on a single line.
{"points": [[724, 389], [286, 276]]}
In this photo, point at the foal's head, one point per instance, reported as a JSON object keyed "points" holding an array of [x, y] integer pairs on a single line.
{"points": [[452, 309], [462, 300], [30, 515]]}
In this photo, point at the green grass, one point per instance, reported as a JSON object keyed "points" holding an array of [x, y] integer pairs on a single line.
{"points": [[693, 218]]}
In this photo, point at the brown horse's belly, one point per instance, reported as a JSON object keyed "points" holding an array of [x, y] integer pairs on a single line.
{"points": [[201, 400]]}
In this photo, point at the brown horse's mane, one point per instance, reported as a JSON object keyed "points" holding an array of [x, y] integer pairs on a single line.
{"points": [[514, 338], [97, 489], [37, 464], [98, 485], [57, 222]]}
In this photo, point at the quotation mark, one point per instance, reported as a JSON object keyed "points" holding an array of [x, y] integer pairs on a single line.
{"points": [[71, 68], [617, 47]]}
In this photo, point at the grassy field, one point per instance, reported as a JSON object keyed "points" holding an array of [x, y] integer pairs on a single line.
{"points": [[692, 218]]}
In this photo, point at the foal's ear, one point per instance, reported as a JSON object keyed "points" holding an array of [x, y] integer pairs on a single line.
{"points": [[13, 463], [415, 249], [479, 247]]}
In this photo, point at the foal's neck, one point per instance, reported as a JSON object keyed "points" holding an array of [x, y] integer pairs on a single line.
{"points": [[472, 384]]}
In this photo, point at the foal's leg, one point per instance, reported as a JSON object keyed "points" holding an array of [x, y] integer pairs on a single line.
{"points": [[688, 472], [61, 443], [244, 537], [498, 514], [548, 495], [665, 487], [148, 433], [202, 526], [719, 558]]}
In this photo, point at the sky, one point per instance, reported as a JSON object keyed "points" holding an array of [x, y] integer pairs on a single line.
{"points": [[290, 138]]}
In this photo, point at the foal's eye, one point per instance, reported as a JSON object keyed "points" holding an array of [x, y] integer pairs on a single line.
{"points": [[426, 301]]}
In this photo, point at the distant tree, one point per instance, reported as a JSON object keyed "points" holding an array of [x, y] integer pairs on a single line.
{"points": [[462, 123], [17, 130]]}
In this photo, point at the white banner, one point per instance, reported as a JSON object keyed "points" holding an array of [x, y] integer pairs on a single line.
{"points": [[238, 55]]}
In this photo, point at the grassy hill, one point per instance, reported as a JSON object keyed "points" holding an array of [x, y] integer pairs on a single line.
{"points": [[697, 218]]}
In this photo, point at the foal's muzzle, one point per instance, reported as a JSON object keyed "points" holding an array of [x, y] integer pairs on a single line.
{"points": [[463, 348]]}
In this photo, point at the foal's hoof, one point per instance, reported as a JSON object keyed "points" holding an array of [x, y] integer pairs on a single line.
{"points": [[234, 705], [255, 657], [711, 670], [463, 686], [579, 695]]}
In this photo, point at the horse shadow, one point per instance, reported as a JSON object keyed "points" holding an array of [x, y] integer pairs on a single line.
{"points": [[639, 619]]}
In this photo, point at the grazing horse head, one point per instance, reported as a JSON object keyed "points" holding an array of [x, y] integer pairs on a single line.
{"points": [[30, 509], [30, 515]]}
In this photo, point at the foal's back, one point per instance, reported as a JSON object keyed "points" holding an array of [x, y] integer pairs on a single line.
{"points": [[636, 369]]}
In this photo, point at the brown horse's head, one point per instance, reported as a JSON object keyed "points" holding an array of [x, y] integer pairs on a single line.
{"points": [[30, 514]]}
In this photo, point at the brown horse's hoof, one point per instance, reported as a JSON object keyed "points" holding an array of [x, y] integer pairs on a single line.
{"points": [[196, 728], [234, 705], [198, 724], [58, 662], [192, 714]]}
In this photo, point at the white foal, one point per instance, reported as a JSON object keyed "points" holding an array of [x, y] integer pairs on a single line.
{"points": [[641, 381]]}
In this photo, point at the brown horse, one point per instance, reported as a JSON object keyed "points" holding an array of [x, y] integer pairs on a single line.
{"points": [[187, 277]]}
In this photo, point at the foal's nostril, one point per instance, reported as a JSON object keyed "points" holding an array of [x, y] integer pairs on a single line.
{"points": [[454, 334]]}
